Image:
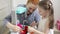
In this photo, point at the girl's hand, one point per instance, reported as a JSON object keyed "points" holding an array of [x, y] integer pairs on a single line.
{"points": [[33, 24], [31, 29]]}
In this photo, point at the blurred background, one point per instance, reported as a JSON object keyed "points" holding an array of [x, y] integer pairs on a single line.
{"points": [[7, 5]]}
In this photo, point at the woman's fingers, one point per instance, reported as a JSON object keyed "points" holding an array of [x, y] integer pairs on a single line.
{"points": [[16, 29]]}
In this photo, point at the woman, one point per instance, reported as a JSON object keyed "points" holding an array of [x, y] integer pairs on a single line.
{"points": [[8, 19], [36, 12]]}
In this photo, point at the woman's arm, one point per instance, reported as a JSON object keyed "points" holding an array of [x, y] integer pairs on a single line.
{"points": [[7, 23], [13, 27]]}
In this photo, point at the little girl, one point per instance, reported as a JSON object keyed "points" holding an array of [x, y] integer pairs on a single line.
{"points": [[45, 12]]}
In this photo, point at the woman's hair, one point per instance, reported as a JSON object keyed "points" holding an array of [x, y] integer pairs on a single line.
{"points": [[48, 6], [33, 1]]}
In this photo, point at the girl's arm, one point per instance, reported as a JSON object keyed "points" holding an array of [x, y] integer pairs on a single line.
{"points": [[30, 29], [46, 30]]}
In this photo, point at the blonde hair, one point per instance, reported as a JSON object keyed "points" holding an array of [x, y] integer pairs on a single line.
{"points": [[30, 5], [33, 1]]}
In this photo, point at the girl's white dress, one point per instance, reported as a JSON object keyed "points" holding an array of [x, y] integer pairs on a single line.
{"points": [[42, 25]]}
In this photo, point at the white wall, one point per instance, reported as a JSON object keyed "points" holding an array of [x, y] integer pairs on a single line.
{"points": [[17, 2], [5, 8], [56, 5]]}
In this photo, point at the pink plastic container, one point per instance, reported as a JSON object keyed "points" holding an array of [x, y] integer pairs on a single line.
{"points": [[58, 24]]}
